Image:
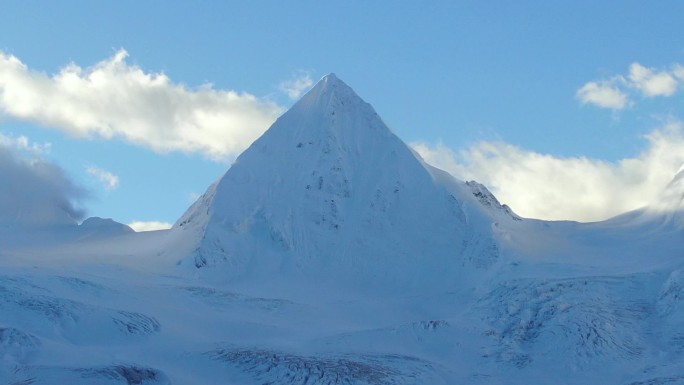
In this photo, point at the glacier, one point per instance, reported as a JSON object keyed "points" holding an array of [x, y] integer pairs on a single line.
{"points": [[331, 253]]}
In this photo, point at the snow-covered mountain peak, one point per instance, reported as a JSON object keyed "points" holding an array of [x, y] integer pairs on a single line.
{"points": [[328, 106], [328, 88], [329, 188]]}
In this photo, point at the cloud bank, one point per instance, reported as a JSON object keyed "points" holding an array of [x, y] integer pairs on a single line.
{"points": [[614, 93], [34, 192], [114, 99], [547, 187]]}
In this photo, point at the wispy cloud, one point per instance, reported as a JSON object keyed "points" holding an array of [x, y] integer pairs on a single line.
{"points": [[114, 99], [294, 88], [576, 188], [614, 93], [23, 143], [149, 225], [109, 180]]}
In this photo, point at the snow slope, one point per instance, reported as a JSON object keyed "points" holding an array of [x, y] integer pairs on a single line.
{"points": [[330, 253]]}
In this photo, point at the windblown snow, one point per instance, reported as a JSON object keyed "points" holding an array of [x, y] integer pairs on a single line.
{"points": [[330, 253]]}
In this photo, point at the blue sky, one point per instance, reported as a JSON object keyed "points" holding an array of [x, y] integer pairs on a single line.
{"points": [[566, 110]]}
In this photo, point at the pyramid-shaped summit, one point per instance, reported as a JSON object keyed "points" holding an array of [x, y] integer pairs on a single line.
{"points": [[328, 190]]}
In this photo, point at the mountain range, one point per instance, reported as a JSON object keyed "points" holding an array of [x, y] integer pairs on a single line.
{"points": [[331, 253]]}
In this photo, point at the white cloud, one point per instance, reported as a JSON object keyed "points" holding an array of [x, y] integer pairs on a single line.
{"points": [[439, 156], [652, 83], [34, 192], [548, 187], [294, 88], [149, 225], [603, 94], [113, 99], [614, 93], [110, 181], [23, 143]]}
